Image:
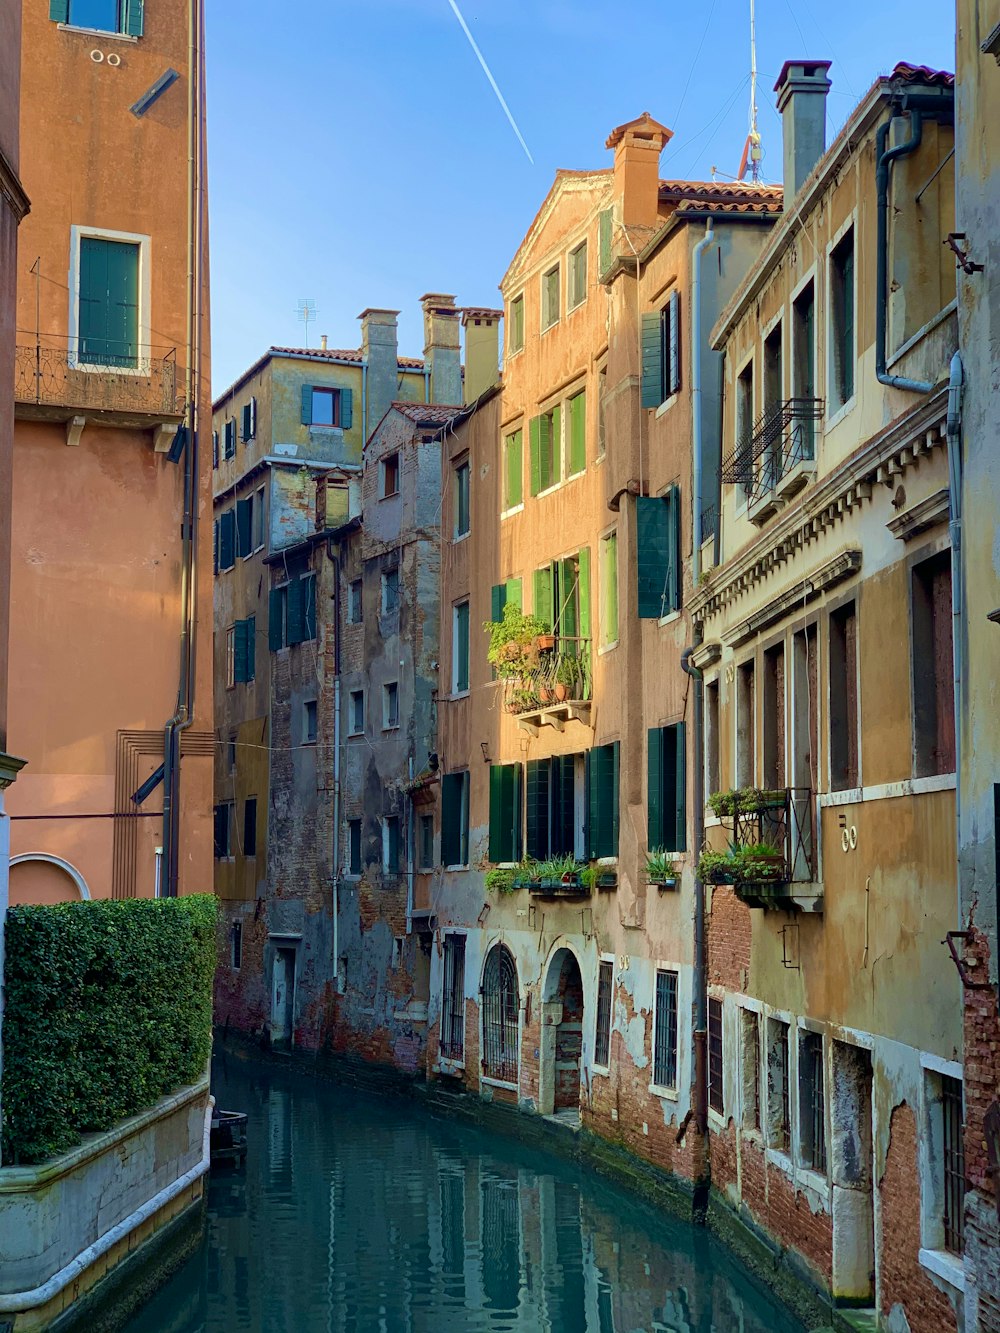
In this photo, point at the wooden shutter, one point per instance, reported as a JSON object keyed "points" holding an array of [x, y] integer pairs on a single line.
{"points": [[245, 426], [295, 611], [545, 452], [567, 580], [133, 18], [602, 801], [651, 520], [59, 11], [604, 228], [240, 652], [498, 598], [615, 766], [673, 550], [108, 302], [227, 526], [654, 788], [215, 546], [514, 464], [307, 404], [537, 808], [309, 607], [563, 777], [555, 446], [251, 625], [244, 514], [652, 360], [847, 351], [215, 448], [513, 592], [535, 450], [452, 785], [675, 342], [346, 409], [542, 594], [584, 592], [578, 433], [505, 803], [676, 812], [275, 618]]}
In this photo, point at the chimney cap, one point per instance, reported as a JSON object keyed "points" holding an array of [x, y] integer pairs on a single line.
{"points": [[377, 310], [802, 76], [437, 299], [475, 312], [643, 127]]}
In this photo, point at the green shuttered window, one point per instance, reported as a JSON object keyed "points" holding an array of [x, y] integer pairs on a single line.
{"points": [[245, 650], [609, 588], [602, 800], [577, 433], [513, 447], [460, 648], [604, 240], [227, 539], [544, 446], [276, 603], [505, 812], [455, 819], [292, 613], [550, 809], [661, 352], [122, 16], [244, 527], [108, 302], [658, 554], [666, 789]]}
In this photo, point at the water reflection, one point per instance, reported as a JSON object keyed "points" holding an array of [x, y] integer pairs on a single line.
{"points": [[356, 1214]]}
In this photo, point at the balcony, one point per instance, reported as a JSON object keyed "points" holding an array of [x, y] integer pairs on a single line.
{"points": [[771, 859], [554, 687], [141, 390], [776, 457]]}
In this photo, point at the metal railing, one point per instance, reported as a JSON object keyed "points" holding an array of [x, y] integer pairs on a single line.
{"points": [[788, 823], [561, 673], [782, 437], [143, 381]]}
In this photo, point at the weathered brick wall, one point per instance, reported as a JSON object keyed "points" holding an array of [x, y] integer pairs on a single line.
{"points": [[781, 1210], [982, 1064], [729, 936]]}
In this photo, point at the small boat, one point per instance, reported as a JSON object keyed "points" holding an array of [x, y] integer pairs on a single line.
{"points": [[228, 1139]]}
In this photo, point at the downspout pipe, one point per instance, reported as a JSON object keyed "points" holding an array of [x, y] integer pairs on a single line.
{"points": [[336, 767], [696, 398], [956, 385]]}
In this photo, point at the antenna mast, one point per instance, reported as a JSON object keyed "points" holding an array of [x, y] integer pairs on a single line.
{"points": [[306, 313], [752, 154]]}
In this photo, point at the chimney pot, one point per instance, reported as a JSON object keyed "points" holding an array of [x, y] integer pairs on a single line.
{"points": [[322, 342], [482, 350], [441, 347], [380, 354], [802, 89]]}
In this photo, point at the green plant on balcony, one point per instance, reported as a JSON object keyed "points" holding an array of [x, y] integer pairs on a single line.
{"points": [[661, 868], [558, 870], [512, 652], [499, 879], [525, 873], [745, 801], [746, 863], [568, 678]]}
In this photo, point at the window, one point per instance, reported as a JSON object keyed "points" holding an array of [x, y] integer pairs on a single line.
{"points": [[215, 448], [355, 613], [249, 431], [515, 334], [452, 1043], [505, 813], [455, 819], [324, 407], [750, 1068], [554, 807], [236, 945], [356, 712], [602, 392], [773, 720], [933, 667], [577, 408], [292, 613], [425, 842], [658, 554], [577, 276], [769, 465], [389, 476], [462, 499], [250, 826], [231, 752], [258, 519], [224, 831], [602, 801], [661, 352], [244, 527], [550, 297], [230, 657], [666, 789], [844, 698], [390, 845], [229, 437], [744, 425], [779, 1120], [609, 589], [390, 591], [390, 706], [460, 648], [605, 239], [108, 303], [949, 1148], [812, 1106], [602, 1038], [545, 448], [512, 460], [665, 1030], [227, 539], [309, 722], [121, 16], [354, 846], [500, 1015], [746, 736], [712, 778], [561, 593], [804, 361], [715, 1097], [842, 354]]}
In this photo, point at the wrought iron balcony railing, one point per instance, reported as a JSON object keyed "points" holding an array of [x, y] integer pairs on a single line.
{"points": [[771, 859], [52, 379], [786, 822], [780, 439], [561, 674]]}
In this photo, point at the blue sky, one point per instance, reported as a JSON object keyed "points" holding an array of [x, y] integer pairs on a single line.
{"points": [[358, 156]]}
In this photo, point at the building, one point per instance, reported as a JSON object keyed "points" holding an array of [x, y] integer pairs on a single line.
{"points": [[825, 644], [974, 539], [564, 962], [109, 674]]}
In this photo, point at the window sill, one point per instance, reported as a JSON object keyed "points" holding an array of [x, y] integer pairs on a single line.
{"points": [[666, 405], [944, 1265], [393, 495], [549, 327], [571, 309], [716, 1118], [514, 509], [312, 742], [555, 486], [886, 791], [326, 428], [498, 1083], [607, 648], [608, 861], [810, 1179], [461, 537], [669, 618], [668, 1094], [450, 869], [603, 1070], [97, 32], [841, 413], [449, 1064], [459, 694], [354, 735], [392, 726], [512, 352]]}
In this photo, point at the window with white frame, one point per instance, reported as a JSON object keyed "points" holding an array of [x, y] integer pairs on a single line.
{"points": [[716, 1092], [605, 998], [812, 1102], [779, 1114], [390, 845], [389, 476], [354, 846], [390, 591], [461, 527], [123, 17], [842, 341], [309, 722], [109, 313], [230, 657], [452, 1039], [258, 519], [665, 1030], [944, 1184], [354, 603], [515, 325], [425, 842], [577, 292]]}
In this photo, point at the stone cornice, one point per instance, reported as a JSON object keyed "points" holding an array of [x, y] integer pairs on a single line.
{"points": [[12, 190], [921, 516], [798, 595], [849, 486]]}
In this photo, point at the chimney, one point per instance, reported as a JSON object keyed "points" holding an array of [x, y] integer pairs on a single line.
{"points": [[441, 348], [802, 88], [482, 350], [378, 350], [638, 146], [322, 342]]}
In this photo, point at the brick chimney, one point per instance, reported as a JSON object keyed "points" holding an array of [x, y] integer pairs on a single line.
{"points": [[441, 347], [482, 350], [378, 347], [638, 146], [802, 88]]}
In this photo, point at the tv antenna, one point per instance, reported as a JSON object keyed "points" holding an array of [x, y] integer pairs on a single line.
{"points": [[307, 313], [752, 153]]}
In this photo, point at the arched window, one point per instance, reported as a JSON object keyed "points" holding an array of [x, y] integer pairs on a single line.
{"points": [[500, 1015]]}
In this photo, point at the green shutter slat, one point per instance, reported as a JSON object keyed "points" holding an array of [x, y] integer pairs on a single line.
{"points": [[295, 611], [215, 448], [498, 595], [673, 571], [578, 433], [545, 452], [535, 450], [251, 648], [274, 619], [568, 580], [679, 811], [240, 652], [309, 607], [615, 770], [514, 465], [564, 805], [451, 819], [555, 446], [651, 543], [604, 224], [505, 792], [108, 302], [542, 594], [589, 806], [652, 360], [496, 847], [307, 404], [215, 546], [227, 544], [538, 808], [346, 409], [513, 593], [133, 20], [675, 341], [654, 787], [59, 11], [584, 592], [243, 538]]}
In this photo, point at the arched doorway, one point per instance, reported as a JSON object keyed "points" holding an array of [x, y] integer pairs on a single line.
{"points": [[561, 1049], [38, 878], [501, 1008]]}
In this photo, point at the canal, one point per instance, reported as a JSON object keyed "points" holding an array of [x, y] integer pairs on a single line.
{"points": [[357, 1214]]}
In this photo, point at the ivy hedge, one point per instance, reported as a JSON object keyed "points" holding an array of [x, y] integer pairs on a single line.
{"points": [[108, 1007]]}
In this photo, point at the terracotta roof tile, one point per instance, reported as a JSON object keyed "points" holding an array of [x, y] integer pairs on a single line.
{"points": [[428, 414], [353, 354], [750, 197], [907, 73]]}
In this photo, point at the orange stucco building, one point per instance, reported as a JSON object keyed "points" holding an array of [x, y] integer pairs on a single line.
{"points": [[110, 634]]}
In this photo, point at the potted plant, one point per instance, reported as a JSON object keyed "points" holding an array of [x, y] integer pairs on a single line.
{"points": [[522, 699], [761, 862], [723, 804], [565, 679], [512, 651], [525, 874], [717, 868], [753, 800], [559, 872], [660, 868], [500, 879], [545, 641]]}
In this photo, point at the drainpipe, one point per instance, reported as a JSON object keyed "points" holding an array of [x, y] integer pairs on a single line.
{"points": [[956, 380], [696, 445], [411, 825], [364, 403], [336, 767]]}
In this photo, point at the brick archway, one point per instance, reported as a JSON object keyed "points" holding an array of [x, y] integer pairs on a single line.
{"points": [[561, 1046]]}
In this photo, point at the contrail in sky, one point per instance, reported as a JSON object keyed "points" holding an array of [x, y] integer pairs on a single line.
{"points": [[493, 82]]}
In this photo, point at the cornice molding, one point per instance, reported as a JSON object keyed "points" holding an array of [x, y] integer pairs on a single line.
{"points": [[921, 516]]}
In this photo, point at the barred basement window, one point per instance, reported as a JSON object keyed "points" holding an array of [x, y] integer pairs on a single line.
{"points": [[500, 1010], [954, 1165], [453, 1000], [778, 1112], [665, 1031], [812, 1104], [715, 1097], [602, 1039]]}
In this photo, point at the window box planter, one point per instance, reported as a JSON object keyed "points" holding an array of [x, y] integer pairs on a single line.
{"points": [[663, 882], [746, 801], [526, 882], [607, 879], [545, 642]]}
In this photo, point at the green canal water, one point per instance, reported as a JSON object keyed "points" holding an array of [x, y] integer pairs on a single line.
{"points": [[363, 1215]]}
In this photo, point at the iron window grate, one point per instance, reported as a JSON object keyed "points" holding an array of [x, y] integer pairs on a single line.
{"points": [[812, 1107], [954, 1165], [500, 1010], [665, 1052], [715, 1099], [453, 1007], [602, 1042]]}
